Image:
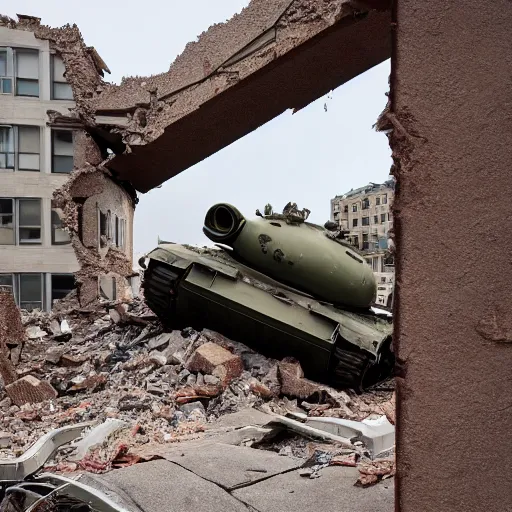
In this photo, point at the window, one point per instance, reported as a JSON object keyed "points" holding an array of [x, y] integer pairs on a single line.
{"points": [[122, 233], [20, 221], [356, 241], [385, 199], [383, 280], [6, 147], [354, 223], [365, 243], [376, 219], [62, 284], [6, 280], [6, 72], [354, 207], [19, 147], [377, 201], [382, 269], [383, 217], [365, 221], [345, 208], [27, 72], [61, 90], [29, 140], [389, 216], [62, 151], [59, 234], [31, 291], [366, 204], [29, 224], [7, 236]]}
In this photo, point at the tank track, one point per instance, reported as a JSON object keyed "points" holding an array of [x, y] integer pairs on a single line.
{"points": [[349, 368], [159, 290]]}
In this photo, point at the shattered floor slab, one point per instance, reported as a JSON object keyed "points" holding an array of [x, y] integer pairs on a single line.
{"points": [[232, 467], [334, 490], [160, 486]]}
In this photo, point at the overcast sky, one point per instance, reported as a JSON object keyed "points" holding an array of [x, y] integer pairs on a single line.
{"points": [[308, 157]]}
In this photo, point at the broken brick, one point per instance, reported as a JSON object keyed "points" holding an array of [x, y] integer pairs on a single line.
{"points": [[91, 383], [69, 360], [30, 390], [293, 382], [215, 360], [260, 389]]}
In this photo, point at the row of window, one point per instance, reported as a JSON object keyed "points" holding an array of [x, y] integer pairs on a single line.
{"points": [[21, 224], [19, 74], [20, 149], [30, 289], [365, 204], [365, 221]]}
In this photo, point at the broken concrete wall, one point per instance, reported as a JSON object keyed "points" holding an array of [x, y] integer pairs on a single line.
{"points": [[94, 209], [451, 118], [273, 56]]}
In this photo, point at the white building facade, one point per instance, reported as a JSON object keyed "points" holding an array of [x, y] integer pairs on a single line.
{"points": [[36, 256], [365, 214]]}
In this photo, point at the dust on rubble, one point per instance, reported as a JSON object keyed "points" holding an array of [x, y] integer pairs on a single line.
{"points": [[115, 361]]}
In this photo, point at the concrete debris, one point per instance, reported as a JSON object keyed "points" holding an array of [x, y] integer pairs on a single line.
{"points": [[35, 333], [160, 388]]}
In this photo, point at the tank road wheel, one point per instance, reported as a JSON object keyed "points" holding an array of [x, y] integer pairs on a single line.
{"points": [[159, 290]]}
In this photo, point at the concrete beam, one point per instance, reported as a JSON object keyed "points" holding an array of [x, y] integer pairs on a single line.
{"points": [[274, 56], [451, 118]]}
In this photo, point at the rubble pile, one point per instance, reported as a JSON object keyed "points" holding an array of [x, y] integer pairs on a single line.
{"points": [[115, 362]]}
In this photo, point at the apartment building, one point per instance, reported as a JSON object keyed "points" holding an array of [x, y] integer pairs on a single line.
{"points": [[36, 257], [42, 140], [365, 214]]}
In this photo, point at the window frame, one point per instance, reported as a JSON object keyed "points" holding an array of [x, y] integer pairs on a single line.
{"points": [[363, 223], [13, 215], [18, 281], [18, 51], [17, 226], [7, 77], [16, 148], [60, 274], [53, 81], [54, 131], [355, 222], [53, 228]]}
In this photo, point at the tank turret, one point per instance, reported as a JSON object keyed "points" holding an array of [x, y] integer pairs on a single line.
{"points": [[295, 252]]}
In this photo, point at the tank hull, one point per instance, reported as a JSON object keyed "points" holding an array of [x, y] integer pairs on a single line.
{"points": [[189, 289]]}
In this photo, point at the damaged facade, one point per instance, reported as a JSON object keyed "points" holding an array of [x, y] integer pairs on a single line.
{"points": [[63, 220], [365, 214]]}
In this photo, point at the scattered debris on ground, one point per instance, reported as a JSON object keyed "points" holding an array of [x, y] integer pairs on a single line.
{"points": [[114, 365]]}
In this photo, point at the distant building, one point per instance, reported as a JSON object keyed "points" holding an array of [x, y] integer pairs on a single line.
{"points": [[365, 213]]}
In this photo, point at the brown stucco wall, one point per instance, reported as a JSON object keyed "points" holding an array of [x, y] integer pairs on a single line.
{"points": [[451, 108]]}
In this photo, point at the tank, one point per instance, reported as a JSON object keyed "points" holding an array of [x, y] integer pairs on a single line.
{"points": [[282, 286]]}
